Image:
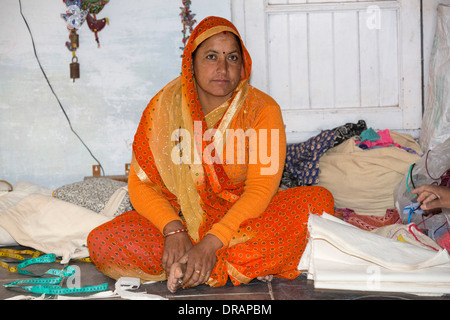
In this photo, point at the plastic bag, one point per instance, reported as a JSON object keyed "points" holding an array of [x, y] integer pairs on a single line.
{"points": [[436, 119], [427, 170]]}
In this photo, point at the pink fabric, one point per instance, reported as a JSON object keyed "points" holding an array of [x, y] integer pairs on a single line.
{"points": [[384, 141]]}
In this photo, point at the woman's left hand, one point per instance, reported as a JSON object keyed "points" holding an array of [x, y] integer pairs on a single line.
{"points": [[200, 261]]}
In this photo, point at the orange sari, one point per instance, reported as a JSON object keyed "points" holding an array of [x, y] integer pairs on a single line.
{"points": [[194, 168]]}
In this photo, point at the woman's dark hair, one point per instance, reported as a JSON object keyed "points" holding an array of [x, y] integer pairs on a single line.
{"points": [[237, 40]]}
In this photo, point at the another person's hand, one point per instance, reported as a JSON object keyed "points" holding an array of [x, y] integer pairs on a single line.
{"points": [[433, 197]]}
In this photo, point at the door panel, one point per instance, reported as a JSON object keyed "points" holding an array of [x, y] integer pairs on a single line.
{"points": [[332, 62]]}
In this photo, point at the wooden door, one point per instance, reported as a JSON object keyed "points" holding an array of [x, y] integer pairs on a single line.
{"points": [[329, 62]]}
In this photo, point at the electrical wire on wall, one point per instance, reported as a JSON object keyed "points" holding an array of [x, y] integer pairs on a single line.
{"points": [[53, 91]]}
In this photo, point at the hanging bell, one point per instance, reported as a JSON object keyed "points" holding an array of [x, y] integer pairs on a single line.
{"points": [[74, 39], [74, 69]]}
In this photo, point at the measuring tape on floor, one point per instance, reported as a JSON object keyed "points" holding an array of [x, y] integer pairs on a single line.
{"points": [[17, 255], [51, 286]]}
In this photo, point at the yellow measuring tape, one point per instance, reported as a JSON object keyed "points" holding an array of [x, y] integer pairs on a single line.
{"points": [[18, 256]]}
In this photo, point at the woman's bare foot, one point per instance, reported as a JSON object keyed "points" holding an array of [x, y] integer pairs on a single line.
{"points": [[176, 274], [266, 278]]}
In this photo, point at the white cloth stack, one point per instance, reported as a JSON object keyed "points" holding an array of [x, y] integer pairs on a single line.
{"points": [[343, 257]]}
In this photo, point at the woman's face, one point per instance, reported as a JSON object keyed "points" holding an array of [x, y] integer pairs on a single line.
{"points": [[217, 67]]}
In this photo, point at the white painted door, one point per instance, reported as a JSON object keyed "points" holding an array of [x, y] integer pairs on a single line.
{"points": [[329, 62]]}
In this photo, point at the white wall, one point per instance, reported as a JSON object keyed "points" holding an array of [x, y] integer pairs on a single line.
{"points": [[139, 54]]}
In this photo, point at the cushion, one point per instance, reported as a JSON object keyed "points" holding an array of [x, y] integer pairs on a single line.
{"points": [[94, 194]]}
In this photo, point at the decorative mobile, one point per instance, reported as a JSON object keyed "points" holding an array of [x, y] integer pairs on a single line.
{"points": [[94, 7], [96, 25], [187, 19], [78, 11]]}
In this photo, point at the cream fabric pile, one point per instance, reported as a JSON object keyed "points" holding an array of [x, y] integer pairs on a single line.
{"points": [[32, 217], [343, 257]]}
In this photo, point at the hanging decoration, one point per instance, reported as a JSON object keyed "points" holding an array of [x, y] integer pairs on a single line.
{"points": [[96, 25], [188, 21], [94, 7], [77, 12]]}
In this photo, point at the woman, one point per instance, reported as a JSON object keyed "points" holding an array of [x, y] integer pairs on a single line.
{"points": [[208, 157]]}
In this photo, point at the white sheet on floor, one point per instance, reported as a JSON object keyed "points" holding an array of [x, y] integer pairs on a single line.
{"points": [[343, 257]]}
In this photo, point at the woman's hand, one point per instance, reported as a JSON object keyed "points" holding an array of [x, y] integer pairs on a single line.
{"points": [[200, 261], [175, 246], [195, 267]]}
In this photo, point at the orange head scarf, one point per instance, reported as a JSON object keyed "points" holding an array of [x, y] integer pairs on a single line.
{"points": [[204, 30]]}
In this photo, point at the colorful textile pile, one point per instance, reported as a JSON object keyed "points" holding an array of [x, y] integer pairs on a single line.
{"points": [[369, 223], [381, 139], [302, 159]]}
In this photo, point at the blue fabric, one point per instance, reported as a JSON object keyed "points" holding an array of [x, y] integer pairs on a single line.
{"points": [[302, 159]]}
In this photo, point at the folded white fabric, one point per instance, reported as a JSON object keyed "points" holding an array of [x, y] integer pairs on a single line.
{"points": [[343, 257]]}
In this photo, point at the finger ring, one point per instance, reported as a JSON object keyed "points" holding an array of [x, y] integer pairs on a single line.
{"points": [[197, 271]]}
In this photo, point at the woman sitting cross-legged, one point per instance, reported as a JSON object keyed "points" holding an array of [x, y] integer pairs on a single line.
{"points": [[208, 157]]}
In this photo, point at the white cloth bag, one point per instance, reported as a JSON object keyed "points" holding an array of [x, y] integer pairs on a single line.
{"points": [[51, 225]]}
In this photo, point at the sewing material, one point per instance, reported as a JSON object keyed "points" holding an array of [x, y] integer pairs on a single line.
{"points": [[409, 177], [368, 222], [52, 286], [124, 289], [16, 255], [412, 209], [369, 135], [342, 257]]}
